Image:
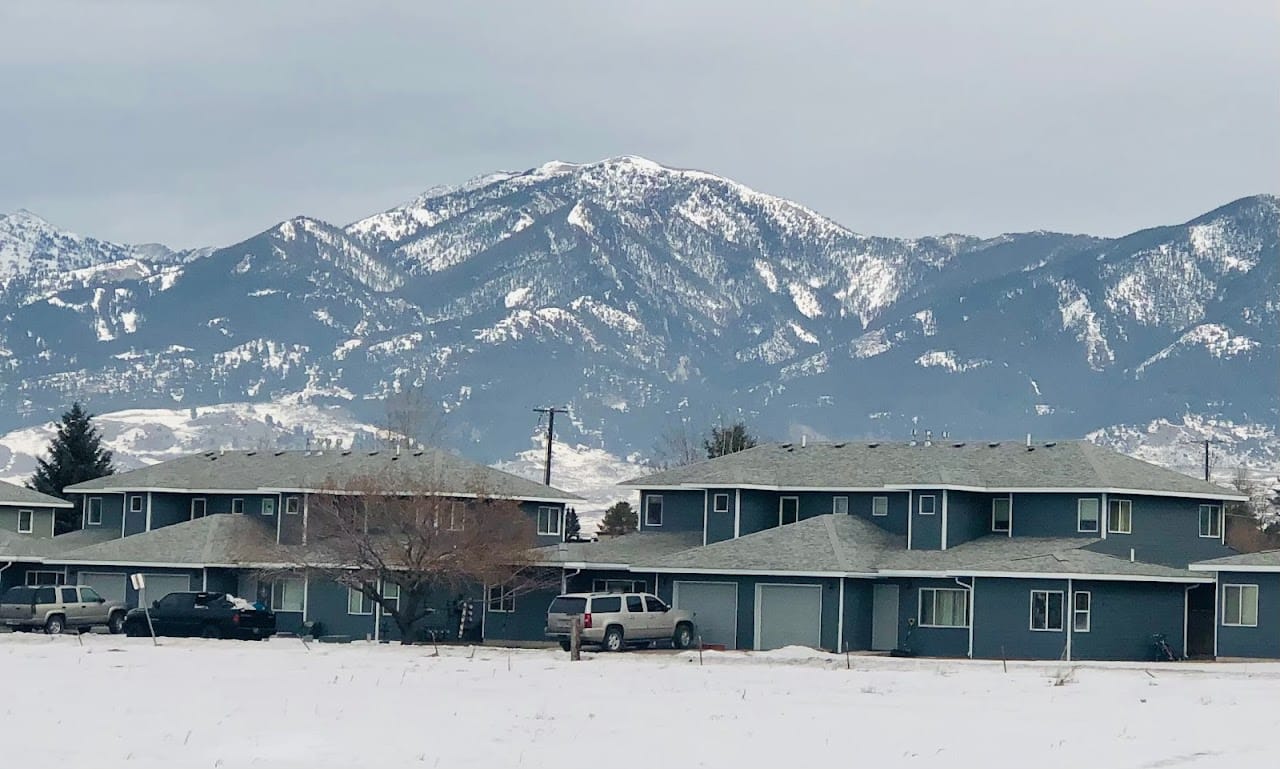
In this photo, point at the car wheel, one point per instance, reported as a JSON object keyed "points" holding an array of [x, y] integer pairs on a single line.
{"points": [[116, 623], [567, 646], [211, 631], [55, 625], [683, 637], [613, 641]]}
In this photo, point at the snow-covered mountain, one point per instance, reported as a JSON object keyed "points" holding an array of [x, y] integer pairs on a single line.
{"points": [[641, 295]]}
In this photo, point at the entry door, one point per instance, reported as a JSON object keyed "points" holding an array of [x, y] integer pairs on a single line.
{"points": [[884, 617], [788, 615]]}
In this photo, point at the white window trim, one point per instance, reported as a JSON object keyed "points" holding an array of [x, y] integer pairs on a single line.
{"points": [[874, 501], [782, 503], [644, 514], [1008, 501], [506, 600], [1080, 503], [1062, 610], [204, 507], [353, 595], [1215, 521], [1242, 588], [716, 506], [233, 505], [292, 505], [1076, 611], [553, 521], [633, 585], [31, 521], [284, 592], [458, 516], [135, 503], [933, 504], [59, 578], [390, 592], [835, 507], [934, 591], [1124, 505], [88, 511], [268, 501]]}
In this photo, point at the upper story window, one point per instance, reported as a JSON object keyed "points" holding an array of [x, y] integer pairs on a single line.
{"points": [[928, 504], [720, 503], [840, 505], [879, 506], [93, 514], [1211, 521], [548, 521], [292, 505], [268, 506], [26, 521], [1001, 515], [1087, 515], [653, 510], [1119, 516], [198, 507], [237, 506], [135, 503]]}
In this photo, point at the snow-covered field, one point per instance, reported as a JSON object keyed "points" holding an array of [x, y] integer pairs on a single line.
{"points": [[117, 702]]}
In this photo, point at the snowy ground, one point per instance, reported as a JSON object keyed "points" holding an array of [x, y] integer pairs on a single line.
{"points": [[116, 702]]}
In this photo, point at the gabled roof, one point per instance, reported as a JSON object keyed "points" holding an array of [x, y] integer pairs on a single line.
{"points": [[12, 494], [1266, 561], [981, 466], [618, 551], [233, 471], [26, 547], [214, 540]]}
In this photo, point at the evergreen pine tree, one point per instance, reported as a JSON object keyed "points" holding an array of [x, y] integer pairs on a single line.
{"points": [[75, 455], [572, 527], [620, 518], [728, 440]]}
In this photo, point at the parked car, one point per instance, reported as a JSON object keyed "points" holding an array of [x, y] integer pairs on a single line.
{"points": [[54, 609], [203, 614], [614, 621]]}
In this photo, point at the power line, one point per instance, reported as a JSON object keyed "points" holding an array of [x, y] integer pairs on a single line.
{"points": [[551, 412]]}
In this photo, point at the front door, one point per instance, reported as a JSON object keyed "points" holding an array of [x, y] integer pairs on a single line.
{"points": [[1200, 620], [884, 617]]}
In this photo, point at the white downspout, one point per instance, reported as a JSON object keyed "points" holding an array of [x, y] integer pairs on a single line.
{"points": [[840, 621], [969, 589], [737, 515], [944, 519], [910, 517], [1104, 520], [706, 510], [148, 511], [1186, 616], [1070, 620], [1217, 593]]}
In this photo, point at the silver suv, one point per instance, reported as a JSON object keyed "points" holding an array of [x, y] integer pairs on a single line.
{"points": [[614, 621], [55, 609]]}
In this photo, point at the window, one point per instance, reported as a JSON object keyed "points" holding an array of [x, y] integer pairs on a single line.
{"points": [[1087, 515], [1211, 520], [237, 506], [26, 521], [458, 517], [135, 503], [1046, 609], [500, 600], [89, 595], [549, 520], [268, 506], [287, 595], [1119, 516], [46, 595], [292, 505], [37, 578], [94, 515], [1080, 611], [198, 507], [358, 602], [610, 605], [634, 604], [720, 503], [653, 603], [177, 601], [840, 505], [619, 586], [788, 510], [1001, 515], [1240, 605], [653, 510], [927, 504], [69, 595], [879, 506], [947, 607], [390, 596]]}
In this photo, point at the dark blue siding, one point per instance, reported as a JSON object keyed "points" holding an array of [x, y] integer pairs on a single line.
{"points": [[1049, 515], [168, 509], [327, 604], [135, 521], [41, 520], [857, 614], [1263, 640], [860, 504], [1165, 530], [1125, 615], [759, 511], [112, 511], [531, 509], [224, 581], [926, 641], [968, 516], [529, 620], [720, 525], [926, 530], [681, 510], [1002, 620], [747, 602]]}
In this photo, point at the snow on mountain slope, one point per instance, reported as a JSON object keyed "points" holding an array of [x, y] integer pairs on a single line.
{"points": [[589, 472]]}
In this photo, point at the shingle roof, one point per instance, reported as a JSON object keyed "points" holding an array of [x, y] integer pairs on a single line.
{"points": [[1266, 560], [11, 494], [214, 540], [996, 466], [626, 549], [319, 470]]}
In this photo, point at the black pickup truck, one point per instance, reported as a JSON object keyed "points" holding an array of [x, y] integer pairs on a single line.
{"points": [[205, 615]]}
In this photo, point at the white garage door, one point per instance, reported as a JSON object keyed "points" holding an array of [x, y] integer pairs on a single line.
{"points": [[788, 615], [715, 608], [160, 585], [109, 586]]}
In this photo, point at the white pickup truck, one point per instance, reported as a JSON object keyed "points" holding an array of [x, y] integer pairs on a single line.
{"points": [[55, 609]]}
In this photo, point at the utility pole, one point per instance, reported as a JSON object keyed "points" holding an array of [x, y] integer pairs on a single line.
{"points": [[1206, 443], [551, 412]]}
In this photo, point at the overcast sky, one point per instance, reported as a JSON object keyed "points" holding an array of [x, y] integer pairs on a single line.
{"points": [[197, 123]]}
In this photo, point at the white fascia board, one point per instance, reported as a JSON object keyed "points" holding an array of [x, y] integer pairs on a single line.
{"points": [[748, 572], [668, 487], [767, 487], [61, 503], [144, 564], [1214, 567], [334, 492], [1087, 577], [1222, 495]]}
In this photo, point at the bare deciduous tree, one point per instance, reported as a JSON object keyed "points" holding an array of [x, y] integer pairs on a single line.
{"points": [[411, 418], [678, 444], [401, 541]]}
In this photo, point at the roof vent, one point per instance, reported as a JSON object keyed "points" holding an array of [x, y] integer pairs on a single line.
{"points": [[790, 448], [397, 456], [346, 453], [840, 445], [1031, 448], [993, 444], [958, 444], [1050, 444], [279, 453], [251, 453], [373, 453], [787, 446], [873, 445], [418, 453], [804, 441]]}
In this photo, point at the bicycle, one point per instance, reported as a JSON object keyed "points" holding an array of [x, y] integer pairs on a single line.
{"points": [[1163, 652]]}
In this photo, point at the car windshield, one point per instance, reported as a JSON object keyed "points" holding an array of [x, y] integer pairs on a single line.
{"points": [[18, 595], [565, 605]]}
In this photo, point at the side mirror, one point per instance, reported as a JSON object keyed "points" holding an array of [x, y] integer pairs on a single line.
{"points": [[101, 599], [155, 604]]}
